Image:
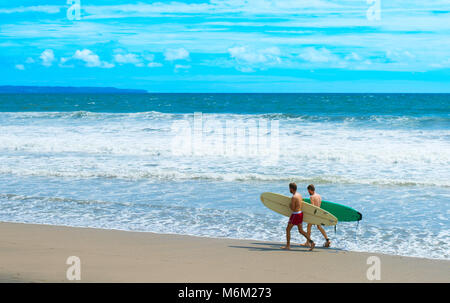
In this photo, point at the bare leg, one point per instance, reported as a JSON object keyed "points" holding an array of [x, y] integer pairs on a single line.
{"points": [[327, 243], [300, 229], [288, 237], [308, 228]]}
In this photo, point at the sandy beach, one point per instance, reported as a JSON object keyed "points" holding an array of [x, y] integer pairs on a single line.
{"points": [[38, 253]]}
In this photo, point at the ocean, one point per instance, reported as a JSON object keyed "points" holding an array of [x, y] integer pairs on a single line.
{"points": [[196, 164]]}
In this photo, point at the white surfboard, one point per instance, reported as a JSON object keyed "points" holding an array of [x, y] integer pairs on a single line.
{"points": [[311, 214]]}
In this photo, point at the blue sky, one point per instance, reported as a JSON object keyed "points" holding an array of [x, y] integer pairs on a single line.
{"points": [[229, 45]]}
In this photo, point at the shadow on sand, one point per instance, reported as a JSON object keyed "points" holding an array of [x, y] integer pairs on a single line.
{"points": [[264, 246]]}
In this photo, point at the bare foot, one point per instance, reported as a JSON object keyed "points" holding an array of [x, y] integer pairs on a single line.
{"points": [[312, 246], [287, 247], [305, 244], [327, 243]]}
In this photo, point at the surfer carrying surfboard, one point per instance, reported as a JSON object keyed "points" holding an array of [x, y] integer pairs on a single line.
{"points": [[296, 217], [316, 200]]}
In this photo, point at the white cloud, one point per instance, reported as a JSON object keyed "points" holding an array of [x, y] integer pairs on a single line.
{"points": [[122, 57], [251, 56], [248, 7], [176, 54], [107, 65], [443, 64], [247, 59], [91, 59], [399, 55], [181, 67], [324, 58], [86, 55], [62, 62], [154, 64], [49, 9], [29, 60], [128, 59], [177, 66], [20, 67], [353, 57], [47, 57], [149, 57], [321, 55]]}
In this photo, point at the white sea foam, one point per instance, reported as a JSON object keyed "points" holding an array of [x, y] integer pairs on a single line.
{"points": [[123, 146]]}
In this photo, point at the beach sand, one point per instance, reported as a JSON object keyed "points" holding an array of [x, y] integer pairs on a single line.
{"points": [[38, 253]]}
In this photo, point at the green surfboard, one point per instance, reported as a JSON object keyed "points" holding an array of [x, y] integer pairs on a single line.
{"points": [[341, 212]]}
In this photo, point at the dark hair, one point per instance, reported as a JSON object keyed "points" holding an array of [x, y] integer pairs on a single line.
{"points": [[293, 186], [311, 187]]}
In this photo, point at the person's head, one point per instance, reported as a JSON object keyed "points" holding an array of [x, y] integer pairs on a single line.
{"points": [[311, 189], [292, 187]]}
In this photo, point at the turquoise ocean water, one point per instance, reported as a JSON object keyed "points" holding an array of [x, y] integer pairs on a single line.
{"points": [[121, 162]]}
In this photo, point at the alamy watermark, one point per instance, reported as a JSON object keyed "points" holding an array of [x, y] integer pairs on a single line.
{"points": [[73, 273], [74, 10], [373, 13], [205, 135], [374, 271]]}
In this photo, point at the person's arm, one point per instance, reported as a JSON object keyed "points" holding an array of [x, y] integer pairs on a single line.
{"points": [[291, 206]]}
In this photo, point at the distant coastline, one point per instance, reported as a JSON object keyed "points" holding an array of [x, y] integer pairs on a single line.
{"points": [[11, 89], [29, 89]]}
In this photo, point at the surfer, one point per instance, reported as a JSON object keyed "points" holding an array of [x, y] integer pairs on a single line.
{"points": [[296, 217], [316, 200]]}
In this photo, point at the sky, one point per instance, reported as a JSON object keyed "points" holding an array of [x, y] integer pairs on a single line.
{"points": [[228, 45]]}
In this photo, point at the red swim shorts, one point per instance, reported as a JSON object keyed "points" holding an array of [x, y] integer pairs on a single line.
{"points": [[296, 219]]}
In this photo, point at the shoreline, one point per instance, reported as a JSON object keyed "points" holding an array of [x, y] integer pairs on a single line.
{"points": [[38, 253]]}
